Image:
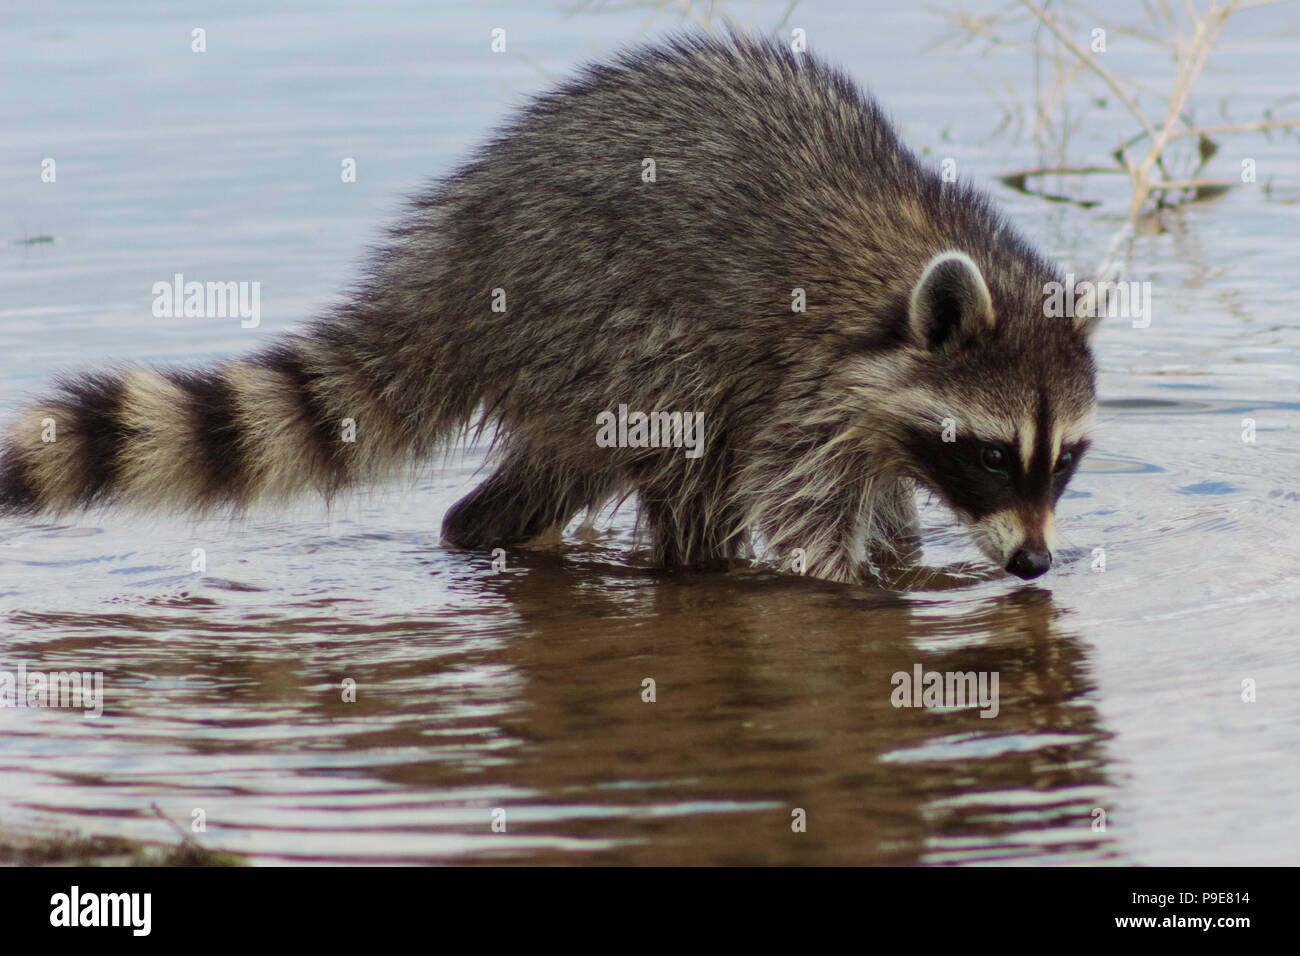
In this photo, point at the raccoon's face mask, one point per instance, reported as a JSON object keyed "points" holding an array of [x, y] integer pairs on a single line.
{"points": [[1014, 397]]}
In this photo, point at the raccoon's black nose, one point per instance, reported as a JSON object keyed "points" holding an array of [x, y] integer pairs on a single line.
{"points": [[1029, 562]]}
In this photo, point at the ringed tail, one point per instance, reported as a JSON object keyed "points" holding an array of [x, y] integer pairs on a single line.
{"points": [[295, 417]]}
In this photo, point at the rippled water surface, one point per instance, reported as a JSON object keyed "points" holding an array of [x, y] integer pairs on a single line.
{"points": [[520, 689]]}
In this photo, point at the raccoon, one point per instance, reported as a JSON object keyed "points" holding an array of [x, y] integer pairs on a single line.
{"points": [[717, 227]]}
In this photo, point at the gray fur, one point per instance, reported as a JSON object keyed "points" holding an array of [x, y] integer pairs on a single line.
{"points": [[772, 172]]}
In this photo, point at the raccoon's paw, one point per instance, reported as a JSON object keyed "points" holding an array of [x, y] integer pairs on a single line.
{"points": [[841, 568], [473, 525]]}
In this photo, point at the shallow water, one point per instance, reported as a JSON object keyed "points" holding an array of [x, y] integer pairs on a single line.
{"points": [[520, 689]]}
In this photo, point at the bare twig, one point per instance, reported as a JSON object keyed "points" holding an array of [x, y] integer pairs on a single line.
{"points": [[1193, 184], [1063, 170], [1146, 155], [1237, 128], [158, 812], [1092, 64]]}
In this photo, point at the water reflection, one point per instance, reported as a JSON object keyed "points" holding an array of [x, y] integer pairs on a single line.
{"points": [[771, 694], [775, 695]]}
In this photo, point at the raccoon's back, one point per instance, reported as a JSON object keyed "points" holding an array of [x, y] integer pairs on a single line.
{"points": [[703, 181]]}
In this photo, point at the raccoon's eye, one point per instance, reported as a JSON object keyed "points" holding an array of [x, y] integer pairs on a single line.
{"points": [[994, 459], [1063, 463]]}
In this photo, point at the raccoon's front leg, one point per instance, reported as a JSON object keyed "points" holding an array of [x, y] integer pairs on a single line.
{"points": [[823, 538], [892, 529], [809, 496], [827, 512], [692, 530], [528, 494]]}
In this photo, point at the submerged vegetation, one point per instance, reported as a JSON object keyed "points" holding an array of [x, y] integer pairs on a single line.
{"points": [[73, 849], [68, 848]]}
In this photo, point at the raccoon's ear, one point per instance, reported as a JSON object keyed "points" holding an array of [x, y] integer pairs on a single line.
{"points": [[950, 297]]}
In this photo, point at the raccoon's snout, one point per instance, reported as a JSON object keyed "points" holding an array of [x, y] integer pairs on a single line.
{"points": [[1029, 562]]}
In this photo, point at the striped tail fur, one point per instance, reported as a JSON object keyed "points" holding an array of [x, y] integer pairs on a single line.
{"points": [[292, 418]]}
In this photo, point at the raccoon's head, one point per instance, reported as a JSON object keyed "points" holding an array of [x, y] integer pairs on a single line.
{"points": [[991, 403]]}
